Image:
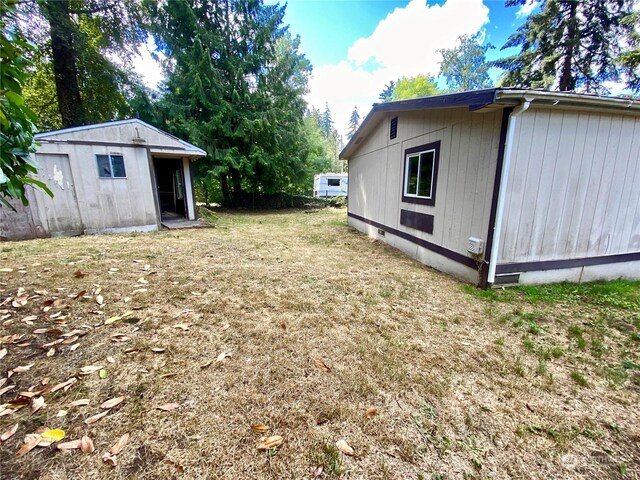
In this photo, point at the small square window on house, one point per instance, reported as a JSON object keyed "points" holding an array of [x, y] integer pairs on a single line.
{"points": [[333, 182], [111, 166], [420, 174]]}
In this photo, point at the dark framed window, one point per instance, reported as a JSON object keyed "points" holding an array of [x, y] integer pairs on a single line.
{"points": [[333, 182], [421, 173], [111, 166]]}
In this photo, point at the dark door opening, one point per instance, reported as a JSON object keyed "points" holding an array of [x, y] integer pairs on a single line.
{"points": [[170, 182]]}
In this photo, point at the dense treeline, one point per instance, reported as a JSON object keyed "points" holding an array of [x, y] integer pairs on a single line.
{"points": [[235, 79]]}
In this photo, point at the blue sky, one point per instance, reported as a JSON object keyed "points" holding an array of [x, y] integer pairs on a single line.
{"points": [[357, 46]]}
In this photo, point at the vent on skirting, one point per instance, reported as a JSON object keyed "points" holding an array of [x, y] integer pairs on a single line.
{"points": [[393, 128]]}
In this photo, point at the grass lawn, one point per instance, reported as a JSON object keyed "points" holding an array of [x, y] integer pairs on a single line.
{"points": [[295, 321]]}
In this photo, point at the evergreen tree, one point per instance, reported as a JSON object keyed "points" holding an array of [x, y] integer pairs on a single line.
{"points": [[354, 122], [630, 59], [568, 45], [464, 66], [387, 94], [235, 88], [326, 122]]}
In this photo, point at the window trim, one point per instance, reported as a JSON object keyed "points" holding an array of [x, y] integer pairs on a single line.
{"points": [[413, 198], [110, 155]]}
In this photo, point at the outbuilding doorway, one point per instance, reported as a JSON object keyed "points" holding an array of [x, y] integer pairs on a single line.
{"points": [[171, 188]]}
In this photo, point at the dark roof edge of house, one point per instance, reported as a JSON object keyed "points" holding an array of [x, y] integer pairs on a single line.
{"points": [[188, 146], [478, 99]]}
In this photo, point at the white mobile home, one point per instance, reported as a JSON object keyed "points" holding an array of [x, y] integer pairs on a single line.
{"points": [[120, 176], [330, 185], [502, 186]]}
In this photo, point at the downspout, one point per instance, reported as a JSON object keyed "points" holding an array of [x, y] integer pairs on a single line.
{"points": [[493, 260]]}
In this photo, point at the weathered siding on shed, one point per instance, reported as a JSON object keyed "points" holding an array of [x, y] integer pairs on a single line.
{"points": [[107, 203], [573, 188], [468, 155]]}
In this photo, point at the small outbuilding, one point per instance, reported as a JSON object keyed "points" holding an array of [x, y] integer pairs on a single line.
{"points": [[503, 186], [122, 176], [330, 185]]}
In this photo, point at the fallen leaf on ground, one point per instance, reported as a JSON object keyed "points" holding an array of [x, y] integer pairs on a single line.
{"points": [[54, 435], [205, 365], [89, 369], [61, 413], [66, 385], [103, 373], [111, 360], [79, 403], [119, 445], [222, 356], [51, 352], [6, 270], [95, 418], [316, 472], [182, 326], [9, 433], [99, 299], [111, 459], [86, 445], [23, 368], [322, 365], [80, 274], [157, 350], [344, 447], [267, 443], [259, 427], [371, 412], [73, 444], [3, 353], [30, 442], [36, 404], [167, 407], [113, 402]]}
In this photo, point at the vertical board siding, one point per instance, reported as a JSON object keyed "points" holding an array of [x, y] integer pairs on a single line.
{"points": [[572, 188], [468, 153]]}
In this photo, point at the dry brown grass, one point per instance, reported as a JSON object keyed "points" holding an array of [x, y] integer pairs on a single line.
{"points": [[465, 387]]}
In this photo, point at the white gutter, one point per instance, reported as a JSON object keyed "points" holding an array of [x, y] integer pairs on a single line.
{"points": [[502, 192]]}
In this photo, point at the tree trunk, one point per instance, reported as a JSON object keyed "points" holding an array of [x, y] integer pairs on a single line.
{"points": [[237, 187], [224, 185], [567, 80], [64, 61]]}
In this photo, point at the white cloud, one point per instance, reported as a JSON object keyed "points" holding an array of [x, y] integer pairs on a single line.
{"points": [[405, 43], [527, 8], [147, 66]]}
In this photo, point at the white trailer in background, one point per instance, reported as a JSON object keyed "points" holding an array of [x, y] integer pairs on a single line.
{"points": [[330, 184]]}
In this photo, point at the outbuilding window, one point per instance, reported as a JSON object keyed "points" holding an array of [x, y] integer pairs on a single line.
{"points": [[111, 166], [421, 173], [333, 182]]}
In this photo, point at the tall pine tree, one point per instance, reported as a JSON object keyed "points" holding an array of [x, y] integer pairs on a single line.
{"points": [[354, 122], [235, 88], [568, 45]]}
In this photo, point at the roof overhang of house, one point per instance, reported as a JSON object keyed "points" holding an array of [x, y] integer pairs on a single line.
{"points": [[487, 100], [185, 149]]}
